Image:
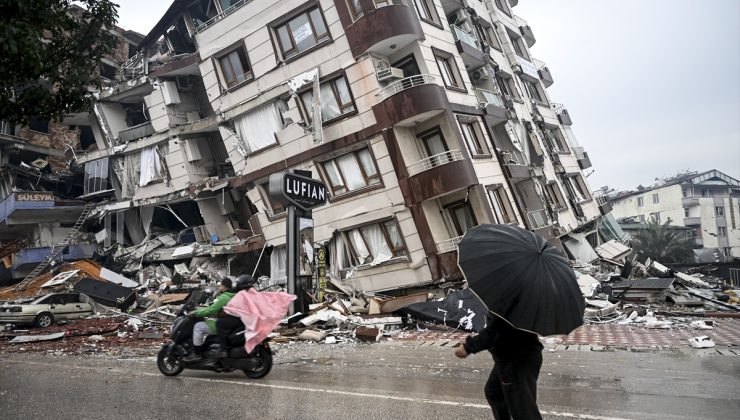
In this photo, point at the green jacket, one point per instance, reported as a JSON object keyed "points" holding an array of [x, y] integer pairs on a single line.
{"points": [[214, 309]]}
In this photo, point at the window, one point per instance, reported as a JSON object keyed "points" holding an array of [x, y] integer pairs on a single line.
{"points": [[503, 6], [448, 70], [518, 44], [462, 215], [276, 208], [721, 231], [685, 212], [556, 196], [433, 142], [502, 211], [655, 217], [375, 243], [728, 253], [579, 188], [533, 90], [6, 187], [705, 192], [351, 171], [508, 87], [336, 100], [719, 210], [487, 34], [556, 139], [235, 67], [96, 176], [473, 136], [301, 33], [640, 202], [656, 198], [642, 218], [256, 129], [427, 12], [408, 65], [39, 124], [355, 8], [108, 71]]}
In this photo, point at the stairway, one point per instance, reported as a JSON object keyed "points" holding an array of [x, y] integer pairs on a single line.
{"points": [[56, 249]]}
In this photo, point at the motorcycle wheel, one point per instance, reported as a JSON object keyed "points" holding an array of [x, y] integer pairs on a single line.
{"points": [[169, 365], [263, 357]]}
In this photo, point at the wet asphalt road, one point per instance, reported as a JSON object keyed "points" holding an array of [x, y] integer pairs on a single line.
{"points": [[377, 381]]}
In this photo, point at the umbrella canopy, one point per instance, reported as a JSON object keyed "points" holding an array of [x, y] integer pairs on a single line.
{"points": [[522, 278]]}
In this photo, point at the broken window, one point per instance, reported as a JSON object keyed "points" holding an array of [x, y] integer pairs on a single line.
{"points": [[151, 166], [202, 11], [462, 216], [556, 196], [351, 171], [87, 138], [6, 186], [301, 33], [335, 97], [39, 124], [473, 136], [375, 243], [276, 207], [257, 128], [235, 66], [96, 176], [108, 71], [556, 139], [579, 187]]}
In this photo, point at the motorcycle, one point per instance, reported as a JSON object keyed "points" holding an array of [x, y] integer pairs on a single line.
{"points": [[255, 365]]}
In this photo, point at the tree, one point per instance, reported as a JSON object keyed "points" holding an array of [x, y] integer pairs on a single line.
{"points": [[49, 55], [663, 243]]}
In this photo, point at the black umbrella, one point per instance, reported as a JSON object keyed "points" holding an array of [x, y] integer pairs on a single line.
{"points": [[522, 278]]}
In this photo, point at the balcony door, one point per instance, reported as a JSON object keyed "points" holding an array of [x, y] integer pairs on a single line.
{"points": [[408, 65], [462, 216], [434, 144]]}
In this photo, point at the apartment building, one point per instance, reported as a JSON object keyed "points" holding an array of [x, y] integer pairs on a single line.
{"points": [[41, 197], [707, 203], [423, 117]]}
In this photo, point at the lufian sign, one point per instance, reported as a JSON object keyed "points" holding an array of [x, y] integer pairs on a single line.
{"points": [[301, 191]]}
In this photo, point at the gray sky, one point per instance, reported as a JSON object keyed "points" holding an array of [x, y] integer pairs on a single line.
{"points": [[653, 87]]}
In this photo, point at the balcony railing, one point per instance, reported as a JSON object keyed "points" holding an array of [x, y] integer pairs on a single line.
{"points": [[448, 245], [464, 36], [434, 161], [403, 84], [537, 218], [221, 15], [539, 64], [488, 97]]}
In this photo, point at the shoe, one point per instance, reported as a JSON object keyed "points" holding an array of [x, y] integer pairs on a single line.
{"points": [[192, 357], [222, 354]]}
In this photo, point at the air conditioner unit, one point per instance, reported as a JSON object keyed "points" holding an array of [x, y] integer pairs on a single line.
{"points": [[388, 74], [479, 75]]}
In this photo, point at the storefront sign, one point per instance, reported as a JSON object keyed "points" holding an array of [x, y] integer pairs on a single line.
{"points": [[297, 190], [34, 196]]}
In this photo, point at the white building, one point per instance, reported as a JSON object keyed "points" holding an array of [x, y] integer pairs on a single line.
{"points": [[707, 202]]}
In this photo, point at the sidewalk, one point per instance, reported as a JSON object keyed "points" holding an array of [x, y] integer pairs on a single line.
{"points": [[726, 333]]}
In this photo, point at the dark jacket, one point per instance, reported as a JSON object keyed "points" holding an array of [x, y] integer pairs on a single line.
{"points": [[504, 341]]}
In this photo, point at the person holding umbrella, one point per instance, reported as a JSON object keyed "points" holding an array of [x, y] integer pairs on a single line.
{"points": [[530, 289]]}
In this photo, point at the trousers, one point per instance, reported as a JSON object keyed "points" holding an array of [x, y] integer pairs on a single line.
{"points": [[224, 326], [200, 331], [511, 389]]}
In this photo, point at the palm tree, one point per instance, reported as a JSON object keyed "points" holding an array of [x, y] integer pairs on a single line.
{"points": [[663, 243]]}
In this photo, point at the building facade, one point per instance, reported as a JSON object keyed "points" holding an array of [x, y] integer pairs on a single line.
{"points": [[423, 117], [707, 203]]}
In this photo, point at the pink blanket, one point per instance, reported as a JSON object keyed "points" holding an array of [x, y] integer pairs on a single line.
{"points": [[260, 312]]}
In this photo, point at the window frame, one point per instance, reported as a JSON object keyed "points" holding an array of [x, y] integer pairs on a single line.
{"points": [[334, 194], [508, 87], [284, 21], [721, 231], [460, 204], [719, 210], [427, 134], [431, 11], [224, 54], [503, 6], [397, 252], [483, 150], [502, 200], [557, 139], [332, 78], [534, 91], [640, 202], [264, 190], [454, 71], [556, 195]]}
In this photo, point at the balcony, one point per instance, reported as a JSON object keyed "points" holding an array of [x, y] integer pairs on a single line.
{"points": [[584, 162], [562, 113], [382, 30], [526, 68], [692, 221], [690, 201], [469, 48], [405, 101], [434, 161], [449, 245], [493, 103], [136, 132], [604, 205], [439, 175], [526, 31], [517, 172], [543, 72]]}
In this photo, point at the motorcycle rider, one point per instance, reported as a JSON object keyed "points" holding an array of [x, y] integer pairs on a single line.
{"points": [[227, 323], [203, 328]]}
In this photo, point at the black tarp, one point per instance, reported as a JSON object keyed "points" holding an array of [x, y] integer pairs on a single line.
{"points": [[108, 294], [460, 309]]}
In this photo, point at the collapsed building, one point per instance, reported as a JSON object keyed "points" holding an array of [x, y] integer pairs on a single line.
{"points": [[423, 118]]}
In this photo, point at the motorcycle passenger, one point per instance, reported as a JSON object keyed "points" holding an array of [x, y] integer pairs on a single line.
{"points": [[227, 323], [203, 328]]}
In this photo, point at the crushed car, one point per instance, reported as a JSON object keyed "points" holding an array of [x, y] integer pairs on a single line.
{"points": [[47, 310]]}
